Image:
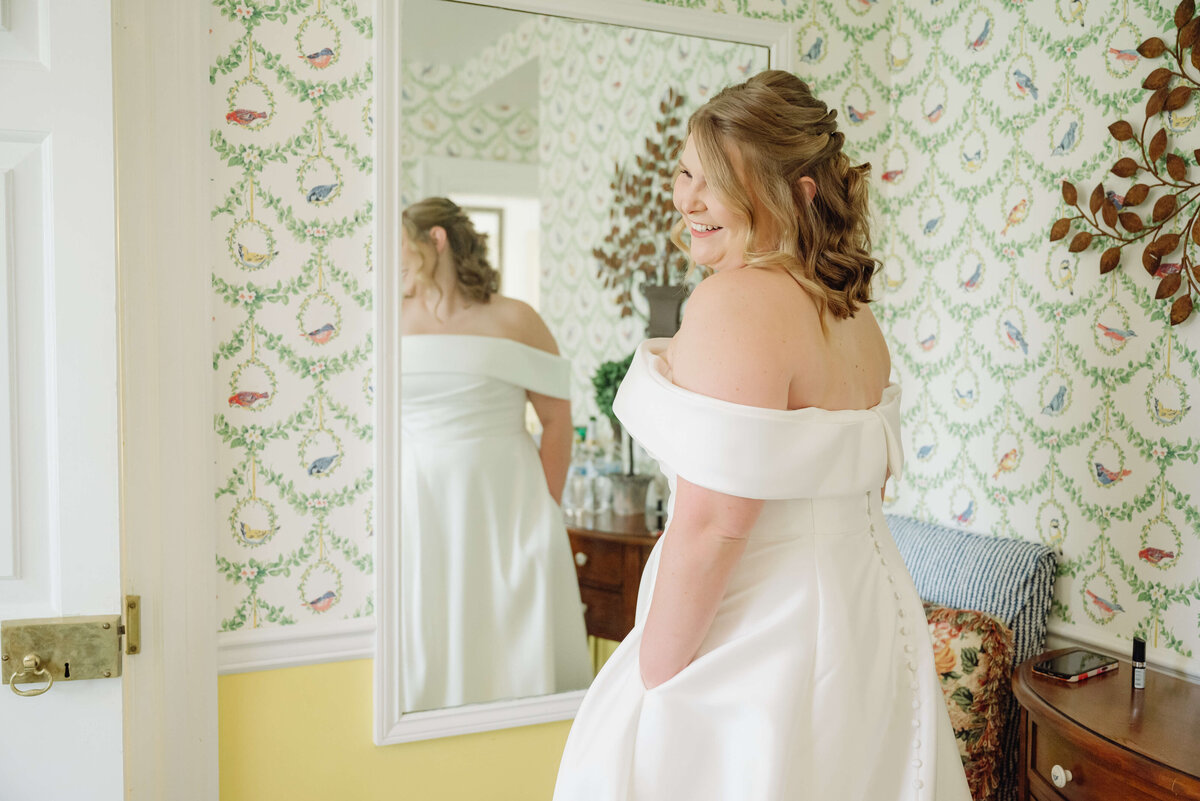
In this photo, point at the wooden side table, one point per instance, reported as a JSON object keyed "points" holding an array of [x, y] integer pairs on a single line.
{"points": [[610, 554], [1101, 740]]}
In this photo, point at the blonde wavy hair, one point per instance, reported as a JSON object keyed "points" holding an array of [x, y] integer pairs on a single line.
{"points": [[477, 279], [783, 133]]}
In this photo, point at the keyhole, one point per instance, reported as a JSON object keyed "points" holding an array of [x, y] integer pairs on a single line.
{"points": [[66, 670]]}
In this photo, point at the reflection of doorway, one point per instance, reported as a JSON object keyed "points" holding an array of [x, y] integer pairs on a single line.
{"points": [[502, 199]]}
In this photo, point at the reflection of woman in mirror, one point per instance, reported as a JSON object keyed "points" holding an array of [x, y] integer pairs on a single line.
{"points": [[780, 650], [490, 605]]}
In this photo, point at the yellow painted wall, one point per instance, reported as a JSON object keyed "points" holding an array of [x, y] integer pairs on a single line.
{"points": [[304, 734]]}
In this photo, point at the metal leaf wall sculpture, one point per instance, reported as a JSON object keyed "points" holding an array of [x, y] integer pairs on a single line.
{"points": [[638, 250], [1158, 171]]}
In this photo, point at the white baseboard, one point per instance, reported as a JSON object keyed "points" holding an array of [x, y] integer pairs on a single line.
{"points": [[1160, 658], [293, 646]]}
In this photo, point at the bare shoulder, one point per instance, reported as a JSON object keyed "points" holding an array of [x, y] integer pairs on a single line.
{"points": [[734, 341], [521, 322]]}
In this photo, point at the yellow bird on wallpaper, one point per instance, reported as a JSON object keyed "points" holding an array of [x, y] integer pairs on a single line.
{"points": [[1166, 413], [252, 258], [255, 534], [1007, 462], [1016, 214]]}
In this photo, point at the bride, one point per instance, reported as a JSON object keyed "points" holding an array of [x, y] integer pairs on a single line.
{"points": [[780, 650]]}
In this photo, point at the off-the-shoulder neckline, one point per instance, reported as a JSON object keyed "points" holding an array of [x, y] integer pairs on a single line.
{"points": [[890, 394], [531, 348]]}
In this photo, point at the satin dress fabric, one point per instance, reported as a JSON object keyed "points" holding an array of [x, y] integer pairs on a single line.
{"points": [[816, 679], [490, 605]]}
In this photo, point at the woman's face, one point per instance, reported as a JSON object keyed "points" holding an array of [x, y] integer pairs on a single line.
{"points": [[718, 234]]}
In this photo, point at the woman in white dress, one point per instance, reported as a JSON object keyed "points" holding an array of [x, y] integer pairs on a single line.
{"points": [[490, 605], [780, 650]]}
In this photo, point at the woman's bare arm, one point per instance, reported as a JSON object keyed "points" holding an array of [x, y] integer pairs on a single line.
{"points": [[724, 352]]}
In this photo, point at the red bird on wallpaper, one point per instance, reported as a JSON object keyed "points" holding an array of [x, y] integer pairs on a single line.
{"points": [[323, 603], [246, 398], [321, 335], [320, 59], [1155, 555], [244, 116]]}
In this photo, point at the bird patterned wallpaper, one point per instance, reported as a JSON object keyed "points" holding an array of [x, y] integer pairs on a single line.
{"points": [[1042, 400], [292, 217]]}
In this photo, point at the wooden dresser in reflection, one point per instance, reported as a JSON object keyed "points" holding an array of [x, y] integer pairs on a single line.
{"points": [[1101, 740], [610, 553]]}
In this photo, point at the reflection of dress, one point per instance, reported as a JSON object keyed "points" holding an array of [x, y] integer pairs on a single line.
{"points": [[816, 679], [490, 606]]}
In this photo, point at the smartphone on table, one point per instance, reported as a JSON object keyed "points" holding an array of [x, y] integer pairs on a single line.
{"points": [[1075, 665]]}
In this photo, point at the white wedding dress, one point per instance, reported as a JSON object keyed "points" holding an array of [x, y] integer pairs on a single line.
{"points": [[816, 679], [490, 605]]}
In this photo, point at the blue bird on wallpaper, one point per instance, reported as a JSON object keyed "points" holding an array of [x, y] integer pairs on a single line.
{"points": [[931, 225], [1107, 477], [1015, 336], [1024, 83], [1118, 334], [936, 113], [965, 398], [1105, 605], [1056, 403], [982, 38], [973, 160], [1166, 413], [966, 514], [320, 192], [928, 342], [1068, 140], [319, 466], [814, 52], [973, 281], [925, 451], [1115, 199], [858, 117], [321, 603]]}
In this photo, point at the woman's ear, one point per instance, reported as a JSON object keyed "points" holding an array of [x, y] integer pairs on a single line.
{"points": [[438, 236], [808, 186]]}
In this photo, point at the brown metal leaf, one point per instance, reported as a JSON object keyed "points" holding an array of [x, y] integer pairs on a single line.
{"points": [[1157, 79], [1164, 207], [1150, 260], [1168, 286], [1136, 195], [1196, 232], [1069, 193], [1181, 309], [1178, 98], [1125, 168], [1155, 104], [1196, 58], [1060, 229], [1080, 241], [1130, 221], [1184, 12], [1110, 260], [1190, 33], [1196, 272], [1152, 47], [1096, 199], [1167, 244], [1121, 131], [1110, 213], [1158, 145], [1176, 167]]}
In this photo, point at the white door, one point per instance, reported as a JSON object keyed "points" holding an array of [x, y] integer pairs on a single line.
{"points": [[76, 486], [59, 457]]}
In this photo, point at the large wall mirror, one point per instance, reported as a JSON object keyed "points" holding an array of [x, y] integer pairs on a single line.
{"points": [[520, 112]]}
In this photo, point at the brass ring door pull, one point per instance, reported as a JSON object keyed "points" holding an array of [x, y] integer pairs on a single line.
{"points": [[32, 667]]}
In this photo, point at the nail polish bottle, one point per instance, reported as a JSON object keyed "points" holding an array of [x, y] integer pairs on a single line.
{"points": [[1139, 663]]}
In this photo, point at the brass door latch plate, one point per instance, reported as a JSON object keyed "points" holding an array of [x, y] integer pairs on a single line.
{"points": [[67, 649]]}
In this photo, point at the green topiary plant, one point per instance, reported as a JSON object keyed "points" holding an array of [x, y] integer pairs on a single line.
{"points": [[607, 380]]}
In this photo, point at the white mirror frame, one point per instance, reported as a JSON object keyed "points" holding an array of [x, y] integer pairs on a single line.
{"points": [[392, 723]]}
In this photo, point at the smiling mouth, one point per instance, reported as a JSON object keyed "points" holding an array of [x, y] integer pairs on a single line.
{"points": [[703, 230]]}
